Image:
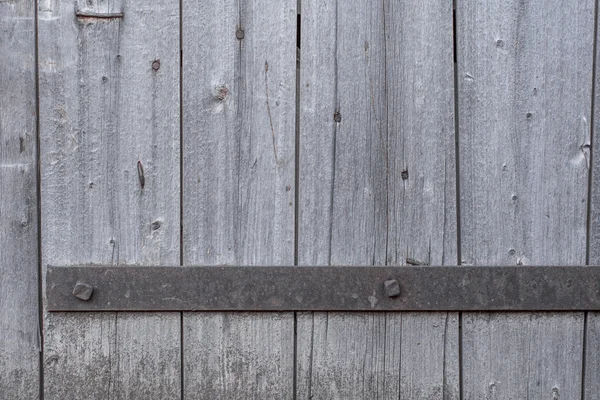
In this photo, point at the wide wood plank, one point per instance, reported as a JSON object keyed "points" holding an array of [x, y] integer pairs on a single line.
{"points": [[109, 100], [524, 163], [507, 355], [377, 175], [238, 355], [19, 318], [239, 77]]}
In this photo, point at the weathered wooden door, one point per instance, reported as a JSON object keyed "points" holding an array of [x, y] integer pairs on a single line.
{"points": [[296, 132]]}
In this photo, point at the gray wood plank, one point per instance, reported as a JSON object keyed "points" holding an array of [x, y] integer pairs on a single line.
{"points": [[19, 320], [592, 342], [508, 355], [106, 115], [524, 161], [238, 355], [592, 356], [239, 162], [387, 69], [377, 355]]}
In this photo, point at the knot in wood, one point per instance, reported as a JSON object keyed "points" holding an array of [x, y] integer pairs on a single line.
{"points": [[220, 92], [156, 225], [239, 34]]}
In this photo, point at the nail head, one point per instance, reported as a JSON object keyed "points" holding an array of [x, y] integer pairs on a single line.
{"points": [[392, 288], [83, 291]]}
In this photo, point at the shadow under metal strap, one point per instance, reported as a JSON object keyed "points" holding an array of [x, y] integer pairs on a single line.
{"points": [[251, 288]]}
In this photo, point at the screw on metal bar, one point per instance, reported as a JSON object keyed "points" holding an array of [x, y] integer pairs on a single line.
{"points": [[239, 34], [83, 291], [156, 64], [392, 288], [337, 117]]}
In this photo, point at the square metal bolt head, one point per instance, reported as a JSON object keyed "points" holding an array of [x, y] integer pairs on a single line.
{"points": [[83, 291], [392, 288]]}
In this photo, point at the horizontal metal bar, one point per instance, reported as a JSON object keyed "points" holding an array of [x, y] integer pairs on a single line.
{"points": [[411, 288]]}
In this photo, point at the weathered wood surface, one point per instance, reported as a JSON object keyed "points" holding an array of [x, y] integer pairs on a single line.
{"points": [[239, 74], [377, 186], [524, 135], [522, 356], [19, 320], [592, 340], [592, 357], [109, 101]]}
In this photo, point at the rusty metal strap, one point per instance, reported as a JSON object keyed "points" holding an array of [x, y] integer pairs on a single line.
{"points": [[250, 288]]}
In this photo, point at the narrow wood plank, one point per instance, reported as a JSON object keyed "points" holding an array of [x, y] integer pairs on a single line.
{"points": [[377, 186], [524, 161], [19, 320], [109, 95], [239, 135], [592, 340], [592, 356]]}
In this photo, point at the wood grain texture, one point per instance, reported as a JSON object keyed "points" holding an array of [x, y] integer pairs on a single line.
{"points": [[377, 355], [522, 356], [19, 318], [238, 355], [106, 115], [592, 350], [239, 172], [377, 186], [592, 356], [524, 161]]}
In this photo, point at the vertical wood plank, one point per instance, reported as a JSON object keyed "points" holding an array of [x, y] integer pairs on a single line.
{"points": [[239, 162], [524, 161], [377, 174], [592, 355], [522, 356], [19, 320], [109, 100], [592, 343]]}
